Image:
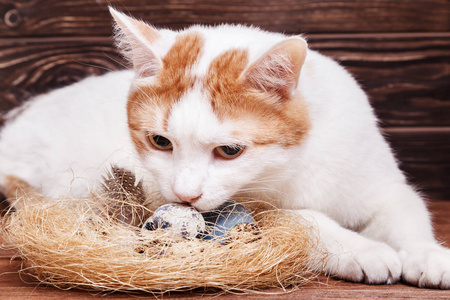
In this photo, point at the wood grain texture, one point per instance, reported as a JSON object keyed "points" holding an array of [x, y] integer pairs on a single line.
{"points": [[424, 155], [33, 66], [12, 287], [28, 18], [407, 76]]}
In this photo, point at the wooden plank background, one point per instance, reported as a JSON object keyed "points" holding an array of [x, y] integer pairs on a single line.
{"points": [[89, 17], [399, 51]]}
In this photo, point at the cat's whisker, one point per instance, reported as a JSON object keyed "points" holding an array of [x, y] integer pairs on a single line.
{"points": [[261, 189], [92, 65], [117, 61]]}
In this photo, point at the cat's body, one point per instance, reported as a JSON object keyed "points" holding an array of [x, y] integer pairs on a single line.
{"points": [[229, 111]]}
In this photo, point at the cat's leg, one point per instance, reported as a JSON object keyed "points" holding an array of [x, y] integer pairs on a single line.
{"points": [[352, 256], [403, 222]]}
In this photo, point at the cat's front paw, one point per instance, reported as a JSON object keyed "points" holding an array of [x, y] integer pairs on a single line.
{"points": [[374, 263], [426, 266]]}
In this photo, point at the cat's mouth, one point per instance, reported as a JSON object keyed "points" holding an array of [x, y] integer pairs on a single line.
{"points": [[201, 202], [188, 200], [201, 207], [192, 201]]}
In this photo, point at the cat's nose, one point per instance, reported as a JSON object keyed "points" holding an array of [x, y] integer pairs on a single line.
{"points": [[188, 198]]}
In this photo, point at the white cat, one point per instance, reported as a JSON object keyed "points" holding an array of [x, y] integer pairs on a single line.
{"points": [[211, 113]]}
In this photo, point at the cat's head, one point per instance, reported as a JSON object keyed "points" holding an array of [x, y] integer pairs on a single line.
{"points": [[212, 109]]}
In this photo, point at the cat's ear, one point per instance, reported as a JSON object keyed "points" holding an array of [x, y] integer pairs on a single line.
{"points": [[134, 38], [278, 70]]}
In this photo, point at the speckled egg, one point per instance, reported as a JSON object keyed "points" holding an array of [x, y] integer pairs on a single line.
{"points": [[219, 222], [182, 220]]}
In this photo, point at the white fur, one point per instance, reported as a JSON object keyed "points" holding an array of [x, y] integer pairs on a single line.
{"points": [[63, 141], [343, 176]]}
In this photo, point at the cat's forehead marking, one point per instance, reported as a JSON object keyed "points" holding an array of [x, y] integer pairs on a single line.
{"points": [[172, 82], [221, 80], [176, 78], [260, 120]]}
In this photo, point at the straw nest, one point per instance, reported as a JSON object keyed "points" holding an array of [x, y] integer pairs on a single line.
{"points": [[97, 244]]}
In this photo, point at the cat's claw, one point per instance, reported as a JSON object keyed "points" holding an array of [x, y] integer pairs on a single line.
{"points": [[427, 267], [376, 263]]}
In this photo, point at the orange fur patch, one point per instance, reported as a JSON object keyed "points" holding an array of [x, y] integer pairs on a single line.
{"points": [[265, 117], [269, 119], [17, 190], [172, 82]]}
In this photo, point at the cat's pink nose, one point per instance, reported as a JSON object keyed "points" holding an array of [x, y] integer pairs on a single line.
{"points": [[188, 198]]}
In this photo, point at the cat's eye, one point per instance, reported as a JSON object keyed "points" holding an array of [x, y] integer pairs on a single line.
{"points": [[228, 152], [160, 142]]}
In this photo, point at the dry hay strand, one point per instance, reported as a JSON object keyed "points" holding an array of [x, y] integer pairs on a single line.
{"points": [[74, 244]]}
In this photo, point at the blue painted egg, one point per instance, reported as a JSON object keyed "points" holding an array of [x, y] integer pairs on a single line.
{"points": [[182, 220], [220, 221]]}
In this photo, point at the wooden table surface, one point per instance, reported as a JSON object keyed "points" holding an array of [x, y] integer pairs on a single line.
{"points": [[13, 287]]}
